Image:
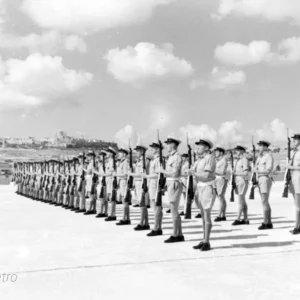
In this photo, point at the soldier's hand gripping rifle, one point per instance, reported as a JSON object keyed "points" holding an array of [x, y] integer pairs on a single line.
{"points": [[115, 181], [254, 174], [82, 176], [128, 195], [189, 186], [94, 179], [161, 182], [287, 176], [103, 182], [233, 183]]}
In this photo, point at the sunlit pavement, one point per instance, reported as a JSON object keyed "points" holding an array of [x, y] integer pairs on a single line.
{"points": [[57, 254]]}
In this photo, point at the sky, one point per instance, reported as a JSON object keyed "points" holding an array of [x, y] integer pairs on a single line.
{"points": [[119, 69]]}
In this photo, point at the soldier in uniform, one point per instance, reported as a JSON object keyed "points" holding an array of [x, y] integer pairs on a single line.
{"points": [[138, 185], [81, 187], [204, 172], [109, 175], [102, 186], [241, 171], [152, 179], [221, 181], [294, 185], [122, 171], [263, 168], [174, 187], [90, 190]]}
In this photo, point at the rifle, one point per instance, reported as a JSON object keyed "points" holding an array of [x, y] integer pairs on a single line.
{"points": [[103, 182], [144, 183], [94, 179], [287, 176], [48, 177], [74, 179], [82, 176], [190, 185], [128, 195], [233, 184], [69, 179], [254, 175], [161, 182], [115, 182]]}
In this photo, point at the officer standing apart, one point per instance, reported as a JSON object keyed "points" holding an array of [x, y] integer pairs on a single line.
{"points": [[294, 186], [204, 172]]}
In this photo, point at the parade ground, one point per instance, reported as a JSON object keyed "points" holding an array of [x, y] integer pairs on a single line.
{"points": [[53, 253]]}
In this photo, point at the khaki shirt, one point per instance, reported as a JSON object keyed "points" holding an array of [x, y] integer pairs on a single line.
{"points": [[205, 163], [221, 166], [241, 165], [295, 160], [173, 165], [122, 169], [138, 169], [265, 163]]}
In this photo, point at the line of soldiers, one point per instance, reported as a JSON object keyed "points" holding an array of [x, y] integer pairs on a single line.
{"points": [[199, 179]]}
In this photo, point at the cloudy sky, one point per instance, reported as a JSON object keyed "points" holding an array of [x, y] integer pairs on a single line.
{"points": [[221, 69]]}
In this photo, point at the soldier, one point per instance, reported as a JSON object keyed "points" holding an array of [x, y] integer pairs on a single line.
{"points": [[111, 183], [81, 183], [241, 171], [221, 181], [294, 185], [102, 186], [204, 172], [174, 186], [184, 168], [122, 171], [152, 179], [90, 183], [141, 197], [263, 168]]}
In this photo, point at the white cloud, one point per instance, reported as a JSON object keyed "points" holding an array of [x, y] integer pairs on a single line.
{"points": [[38, 80], [275, 131], [145, 62], [230, 132], [273, 10], [125, 134], [238, 54], [195, 132], [46, 43], [221, 79], [88, 16]]}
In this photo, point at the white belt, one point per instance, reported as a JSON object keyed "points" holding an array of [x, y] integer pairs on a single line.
{"points": [[202, 184], [219, 176], [173, 179]]}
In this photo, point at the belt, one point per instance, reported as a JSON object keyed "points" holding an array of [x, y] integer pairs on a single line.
{"points": [[219, 176], [202, 184], [173, 179]]}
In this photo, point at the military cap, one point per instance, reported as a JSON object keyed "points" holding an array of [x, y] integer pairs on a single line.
{"points": [[91, 153], [205, 142], [184, 155], [123, 150], [220, 149], [172, 140], [103, 152], [111, 150], [75, 158], [148, 157], [155, 145], [264, 143], [140, 147], [80, 155], [240, 147], [296, 136]]}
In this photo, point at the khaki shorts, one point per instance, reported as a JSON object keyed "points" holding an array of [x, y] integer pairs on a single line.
{"points": [[122, 188], [221, 186], [206, 196], [264, 184], [174, 192], [241, 186], [152, 188], [138, 190], [294, 185]]}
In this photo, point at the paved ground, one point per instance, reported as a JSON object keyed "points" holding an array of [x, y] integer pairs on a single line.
{"points": [[57, 254]]}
